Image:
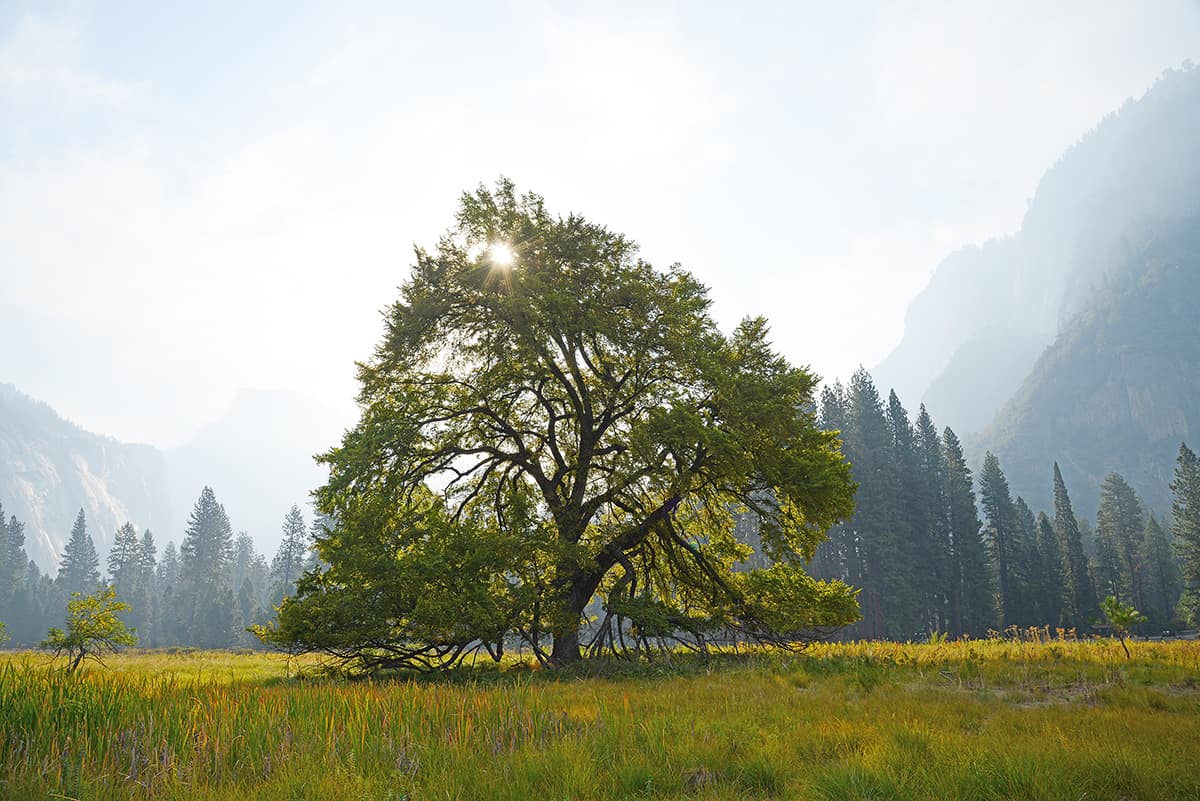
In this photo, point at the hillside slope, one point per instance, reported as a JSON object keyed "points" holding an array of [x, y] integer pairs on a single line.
{"points": [[50, 468], [1141, 164], [1120, 386]]}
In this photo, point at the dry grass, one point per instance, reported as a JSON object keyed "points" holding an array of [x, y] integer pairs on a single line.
{"points": [[980, 720]]}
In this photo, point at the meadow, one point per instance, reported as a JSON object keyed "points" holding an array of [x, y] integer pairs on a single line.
{"points": [[990, 719]]}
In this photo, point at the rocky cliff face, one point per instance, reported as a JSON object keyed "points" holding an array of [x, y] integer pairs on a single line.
{"points": [[50, 468], [258, 457], [1120, 386], [1140, 165]]}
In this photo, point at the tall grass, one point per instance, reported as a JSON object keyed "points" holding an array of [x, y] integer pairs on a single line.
{"points": [[986, 720]]}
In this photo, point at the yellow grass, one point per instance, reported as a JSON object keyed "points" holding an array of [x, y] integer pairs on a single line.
{"points": [[983, 719]]}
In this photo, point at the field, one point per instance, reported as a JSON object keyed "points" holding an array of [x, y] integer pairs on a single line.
{"points": [[979, 720]]}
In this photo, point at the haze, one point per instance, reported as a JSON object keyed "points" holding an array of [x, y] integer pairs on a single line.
{"points": [[190, 206]]}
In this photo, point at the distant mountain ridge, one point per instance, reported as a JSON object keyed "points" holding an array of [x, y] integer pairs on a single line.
{"points": [[1119, 388], [1007, 300], [258, 457], [50, 468]]}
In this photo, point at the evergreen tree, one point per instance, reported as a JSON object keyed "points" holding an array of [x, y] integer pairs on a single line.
{"points": [[289, 559], [205, 559], [1026, 565], [1120, 527], [1107, 567], [169, 623], [244, 554], [1003, 536], [887, 596], [218, 624], [1162, 579], [251, 613], [145, 606], [1081, 606], [1185, 526], [79, 570], [973, 605], [124, 563], [837, 557], [912, 519], [938, 551], [1050, 592], [12, 567]]}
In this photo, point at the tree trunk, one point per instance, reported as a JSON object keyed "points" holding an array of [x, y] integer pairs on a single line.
{"points": [[575, 599], [566, 647]]}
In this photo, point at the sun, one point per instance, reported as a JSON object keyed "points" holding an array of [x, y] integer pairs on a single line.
{"points": [[501, 254]]}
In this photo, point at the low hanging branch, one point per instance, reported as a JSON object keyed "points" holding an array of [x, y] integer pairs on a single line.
{"points": [[571, 404]]}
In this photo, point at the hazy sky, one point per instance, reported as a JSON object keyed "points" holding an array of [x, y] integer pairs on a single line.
{"points": [[197, 201]]}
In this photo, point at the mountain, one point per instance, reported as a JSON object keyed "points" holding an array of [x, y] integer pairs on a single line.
{"points": [[971, 336], [258, 458], [1120, 386], [50, 468]]}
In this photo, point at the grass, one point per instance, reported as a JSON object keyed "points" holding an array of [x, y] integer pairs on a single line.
{"points": [[977, 720]]}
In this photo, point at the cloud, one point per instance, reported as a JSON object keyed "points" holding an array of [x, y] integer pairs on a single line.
{"points": [[42, 60], [253, 244]]}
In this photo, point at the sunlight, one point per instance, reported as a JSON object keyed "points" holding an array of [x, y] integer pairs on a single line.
{"points": [[501, 254]]}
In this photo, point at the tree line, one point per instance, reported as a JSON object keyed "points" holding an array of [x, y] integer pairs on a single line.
{"points": [[932, 550], [204, 593]]}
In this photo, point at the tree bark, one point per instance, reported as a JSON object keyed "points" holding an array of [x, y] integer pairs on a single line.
{"points": [[579, 592]]}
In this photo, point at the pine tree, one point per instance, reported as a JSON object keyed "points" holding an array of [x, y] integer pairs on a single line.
{"points": [[145, 607], [887, 595], [205, 559], [12, 566], [1003, 536], [244, 554], [1081, 606], [1050, 592], [1185, 526], [169, 622], [251, 612], [973, 604], [124, 563], [939, 552], [1026, 565], [289, 559], [836, 558], [79, 570], [1162, 580], [1107, 567], [1120, 527], [910, 499]]}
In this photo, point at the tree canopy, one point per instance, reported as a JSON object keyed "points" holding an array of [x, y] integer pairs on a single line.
{"points": [[93, 628], [551, 420]]}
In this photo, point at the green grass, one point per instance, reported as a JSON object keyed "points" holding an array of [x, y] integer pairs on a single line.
{"points": [[977, 720]]}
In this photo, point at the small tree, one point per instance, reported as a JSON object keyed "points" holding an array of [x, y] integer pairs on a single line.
{"points": [[3, 633], [1122, 618], [93, 627]]}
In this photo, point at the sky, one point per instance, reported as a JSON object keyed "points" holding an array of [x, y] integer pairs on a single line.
{"points": [[201, 198]]}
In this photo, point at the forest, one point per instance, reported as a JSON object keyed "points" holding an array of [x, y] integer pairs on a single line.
{"points": [[933, 551], [205, 593]]}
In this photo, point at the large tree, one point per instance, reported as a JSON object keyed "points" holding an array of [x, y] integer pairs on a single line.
{"points": [[1120, 528], [549, 420], [289, 560], [973, 599], [205, 598], [1163, 582], [79, 569], [1004, 537], [1081, 605], [1185, 525]]}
